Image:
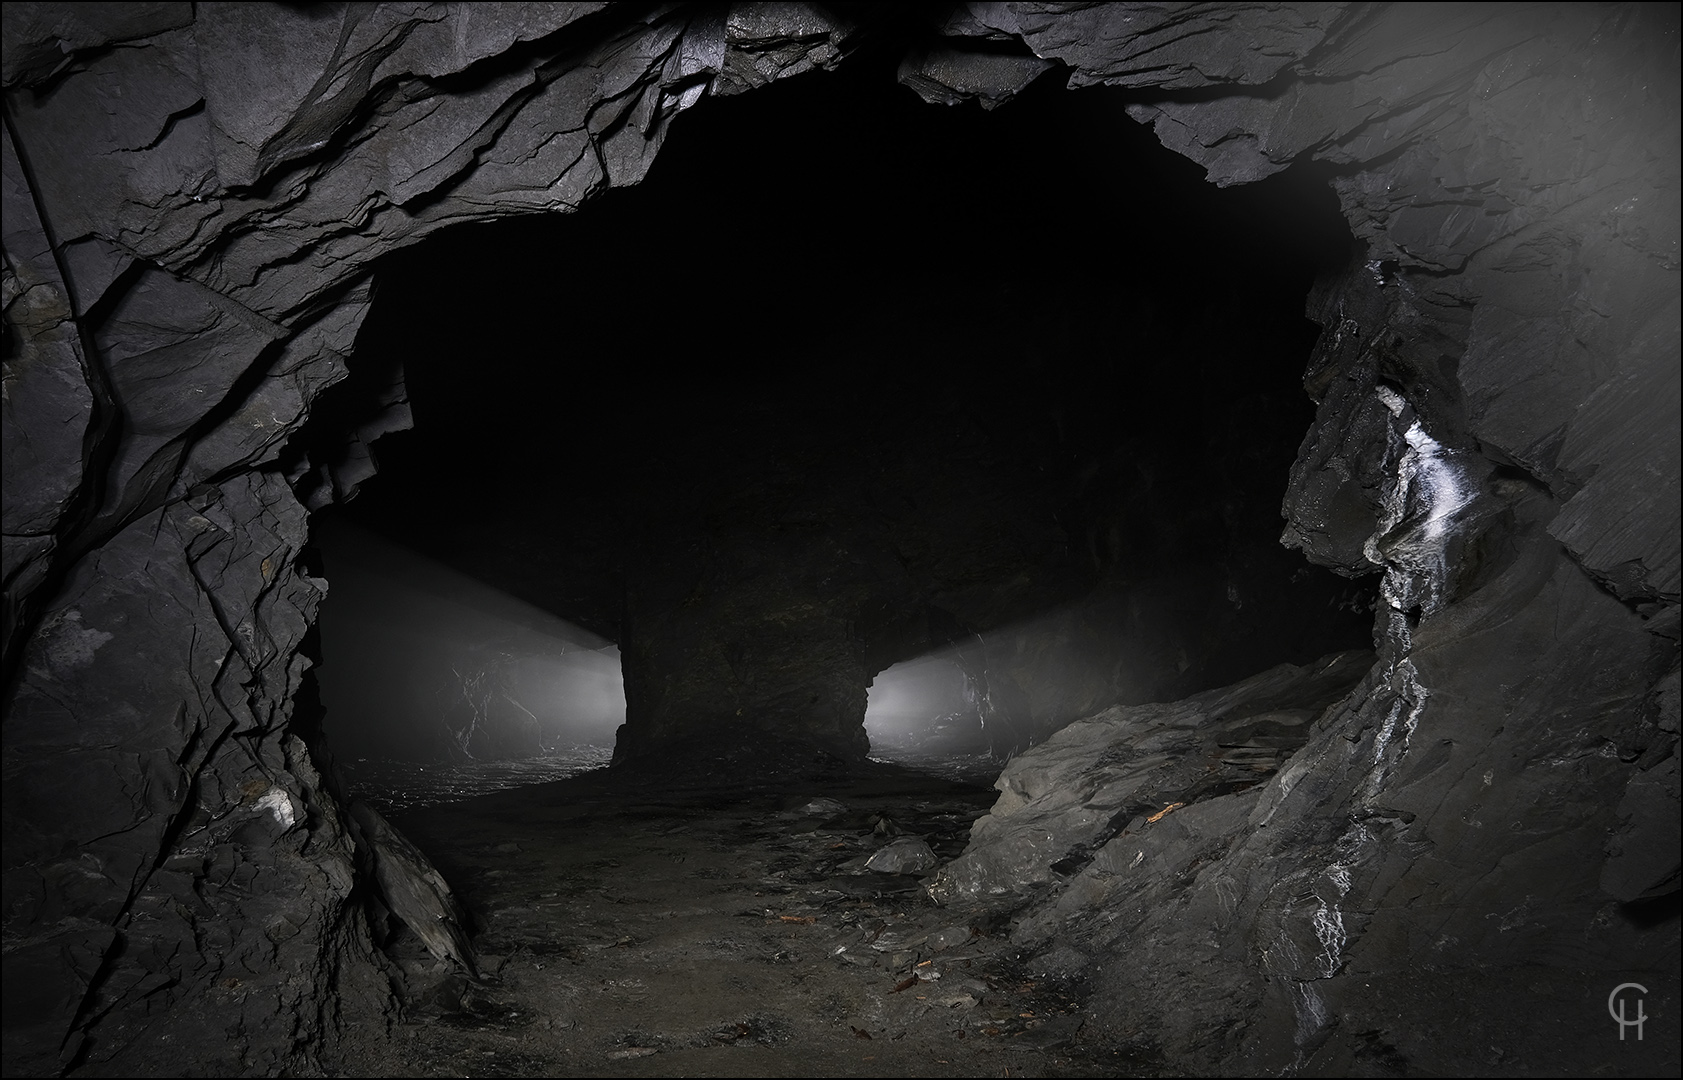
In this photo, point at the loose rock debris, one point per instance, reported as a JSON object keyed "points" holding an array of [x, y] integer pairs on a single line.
{"points": [[700, 934]]}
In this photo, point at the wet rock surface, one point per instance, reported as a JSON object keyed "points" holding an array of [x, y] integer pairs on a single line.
{"points": [[1451, 871], [1170, 841]]}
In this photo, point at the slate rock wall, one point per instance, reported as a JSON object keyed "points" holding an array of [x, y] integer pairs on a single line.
{"points": [[192, 198], [1461, 832], [193, 195]]}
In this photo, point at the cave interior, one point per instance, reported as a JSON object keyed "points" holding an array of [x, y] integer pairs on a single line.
{"points": [[1078, 539], [1069, 432]]}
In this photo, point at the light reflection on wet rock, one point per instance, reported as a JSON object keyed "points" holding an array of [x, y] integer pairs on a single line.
{"points": [[396, 786]]}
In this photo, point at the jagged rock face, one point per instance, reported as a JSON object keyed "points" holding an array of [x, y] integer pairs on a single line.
{"points": [[193, 195], [1115, 772]]}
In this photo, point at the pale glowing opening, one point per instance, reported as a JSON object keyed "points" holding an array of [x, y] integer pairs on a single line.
{"points": [[919, 699]]}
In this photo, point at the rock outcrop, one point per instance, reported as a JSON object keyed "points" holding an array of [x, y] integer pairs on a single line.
{"points": [[1108, 776], [194, 196]]}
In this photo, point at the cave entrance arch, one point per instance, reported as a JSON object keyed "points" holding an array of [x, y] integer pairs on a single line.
{"points": [[187, 266], [805, 402]]}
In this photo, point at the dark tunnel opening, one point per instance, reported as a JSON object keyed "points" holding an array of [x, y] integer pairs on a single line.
{"points": [[806, 365]]}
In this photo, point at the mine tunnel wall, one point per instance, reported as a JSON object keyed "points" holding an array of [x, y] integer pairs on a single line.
{"points": [[422, 663], [188, 257]]}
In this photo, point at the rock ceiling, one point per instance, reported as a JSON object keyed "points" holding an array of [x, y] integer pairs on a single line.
{"points": [[194, 197]]}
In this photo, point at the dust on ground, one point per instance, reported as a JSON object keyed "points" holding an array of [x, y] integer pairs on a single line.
{"points": [[655, 930]]}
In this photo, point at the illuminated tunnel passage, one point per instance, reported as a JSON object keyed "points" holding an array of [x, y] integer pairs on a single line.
{"points": [[852, 378], [437, 687], [856, 419], [924, 714]]}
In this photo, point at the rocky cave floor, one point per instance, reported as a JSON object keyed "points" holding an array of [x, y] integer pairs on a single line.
{"points": [[634, 926]]}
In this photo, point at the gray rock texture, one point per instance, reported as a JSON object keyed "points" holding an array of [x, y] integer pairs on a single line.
{"points": [[193, 199], [908, 855], [1115, 773], [411, 888]]}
